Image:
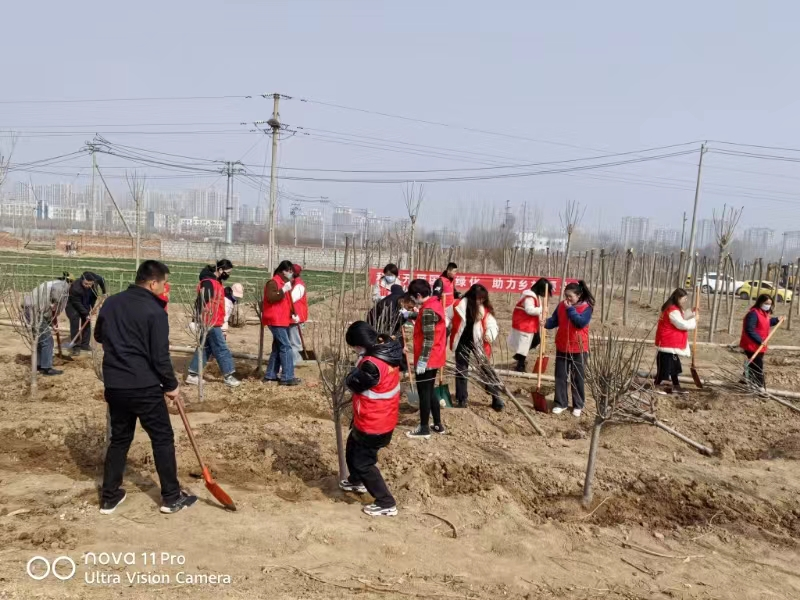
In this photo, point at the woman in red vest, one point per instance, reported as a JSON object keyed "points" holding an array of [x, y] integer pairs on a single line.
{"points": [[672, 341], [165, 297], [278, 314], [430, 352], [444, 288], [755, 329], [571, 317], [210, 310], [300, 304], [474, 329], [375, 383], [525, 322], [385, 283]]}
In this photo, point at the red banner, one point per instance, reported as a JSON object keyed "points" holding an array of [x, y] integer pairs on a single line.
{"points": [[499, 284]]}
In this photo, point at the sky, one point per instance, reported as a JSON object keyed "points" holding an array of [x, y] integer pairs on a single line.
{"points": [[543, 82]]}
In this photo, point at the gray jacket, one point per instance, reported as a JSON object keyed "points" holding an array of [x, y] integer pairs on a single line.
{"points": [[48, 299]]}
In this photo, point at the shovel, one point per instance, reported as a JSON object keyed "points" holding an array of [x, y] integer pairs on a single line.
{"points": [[442, 392], [211, 485], [542, 359], [411, 395], [764, 343], [693, 369]]}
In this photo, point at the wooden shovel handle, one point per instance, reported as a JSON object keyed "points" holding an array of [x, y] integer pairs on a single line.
{"points": [[694, 333], [411, 377], [182, 411], [543, 337], [764, 343]]}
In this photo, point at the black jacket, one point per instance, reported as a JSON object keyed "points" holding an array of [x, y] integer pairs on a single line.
{"points": [[81, 299], [438, 289], [134, 330], [365, 376], [385, 315]]}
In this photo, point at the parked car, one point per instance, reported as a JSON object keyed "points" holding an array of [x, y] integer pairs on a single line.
{"points": [[750, 289], [709, 284]]}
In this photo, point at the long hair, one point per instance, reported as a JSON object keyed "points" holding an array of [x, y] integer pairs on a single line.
{"points": [[761, 299], [674, 299], [475, 293], [541, 285], [286, 265], [582, 290]]}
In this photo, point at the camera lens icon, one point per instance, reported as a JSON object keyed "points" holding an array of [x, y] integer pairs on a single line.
{"points": [[51, 568]]}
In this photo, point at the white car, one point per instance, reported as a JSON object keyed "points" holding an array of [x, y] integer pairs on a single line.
{"points": [[709, 284]]}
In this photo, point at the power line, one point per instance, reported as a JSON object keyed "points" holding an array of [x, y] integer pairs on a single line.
{"points": [[139, 99]]}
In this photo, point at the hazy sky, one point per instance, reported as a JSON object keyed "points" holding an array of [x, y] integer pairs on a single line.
{"points": [[575, 79]]}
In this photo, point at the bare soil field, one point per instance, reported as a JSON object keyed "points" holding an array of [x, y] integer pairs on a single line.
{"points": [[491, 510]]}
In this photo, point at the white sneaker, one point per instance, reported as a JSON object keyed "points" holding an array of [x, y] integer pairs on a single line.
{"points": [[358, 488], [373, 510], [231, 381], [557, 410], [192, 379], [576, 412]]}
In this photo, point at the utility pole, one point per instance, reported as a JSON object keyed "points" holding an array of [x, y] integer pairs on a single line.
{"points": [[94, 195], [275, 124], [693, 231], [683, 231], [229, 204]]}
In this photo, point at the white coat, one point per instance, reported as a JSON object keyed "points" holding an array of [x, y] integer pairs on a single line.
{"points": [[678, 319], [479, 336], [519, 342]]}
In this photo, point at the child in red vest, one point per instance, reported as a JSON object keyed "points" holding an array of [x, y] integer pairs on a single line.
{"points": [[375, 383], [430, 352], [755, 329], [672, 341], [474, 329], [571, 317], [525, 322]]}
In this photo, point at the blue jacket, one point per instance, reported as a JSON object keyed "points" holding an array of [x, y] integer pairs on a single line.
{"points": [[579, 320], [750, 323]]}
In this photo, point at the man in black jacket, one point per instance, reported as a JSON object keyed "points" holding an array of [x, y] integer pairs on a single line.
{"points": [[137, 373], [83, 294]]}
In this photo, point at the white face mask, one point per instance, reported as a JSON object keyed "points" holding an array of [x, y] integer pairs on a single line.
{"points": [[289, 275], [766, 307], [359, 350], [390, 278]]}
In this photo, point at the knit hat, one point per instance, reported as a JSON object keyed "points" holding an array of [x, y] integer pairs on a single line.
{"points": [[297, 270]]}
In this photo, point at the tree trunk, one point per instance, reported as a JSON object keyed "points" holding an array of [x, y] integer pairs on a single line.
{"points": [[732, 298], [337, 418], [592, 464], [411, 262], [603, 285], [566, 264], [794, 294], [628, 263], [653, 279], [34, 356], [641, 278], [611, 286], [716, 301], [591, 270], [260, 348]]}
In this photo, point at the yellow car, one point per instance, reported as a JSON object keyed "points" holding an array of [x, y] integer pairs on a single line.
{"points": [[750, 288]]}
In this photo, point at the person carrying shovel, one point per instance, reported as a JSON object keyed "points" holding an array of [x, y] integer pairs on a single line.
{"points": [[525, 322], [755, 333], [672, 341], [139, 378]]}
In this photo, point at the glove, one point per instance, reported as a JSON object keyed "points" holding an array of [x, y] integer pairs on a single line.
{"points": [[404, 313], [295, 319], [422, 366], [287, 286]]}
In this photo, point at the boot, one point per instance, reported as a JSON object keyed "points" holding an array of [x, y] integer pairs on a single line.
{"points": [[521, 363]]}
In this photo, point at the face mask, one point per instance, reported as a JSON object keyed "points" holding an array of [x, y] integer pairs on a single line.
{"points": [[224, 276], [766, 307], [359, 350], [289, 275], [390, 278]]}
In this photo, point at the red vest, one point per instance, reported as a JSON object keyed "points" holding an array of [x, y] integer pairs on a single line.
{"points": [[214, 307], [165, 296], [278, 314], [376, 410], [456, 326], [301, 306], [569, 338], [522, 321], [447, 292], [438, 354], [747, 343], [669, 336]]}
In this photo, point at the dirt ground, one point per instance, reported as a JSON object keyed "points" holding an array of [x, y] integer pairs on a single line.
{"points": [[491, 510]]}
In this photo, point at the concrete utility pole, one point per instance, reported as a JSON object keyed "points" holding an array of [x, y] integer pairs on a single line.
{"points": [[693, 230], [94, 195], [275, 124], [229, 204]]}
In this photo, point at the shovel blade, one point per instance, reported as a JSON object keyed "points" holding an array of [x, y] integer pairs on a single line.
{"points": [[696, 378], [214, 488], [544, 361], [308, 355], [539, 401], [442, 393]]}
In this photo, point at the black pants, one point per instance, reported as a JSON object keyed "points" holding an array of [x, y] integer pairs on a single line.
{"points": [[522, 359], [125, 407], [463, 354], [668, 366], [428, 404], [755, 372], [362, 458], [571, 365], [75, 322]]}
